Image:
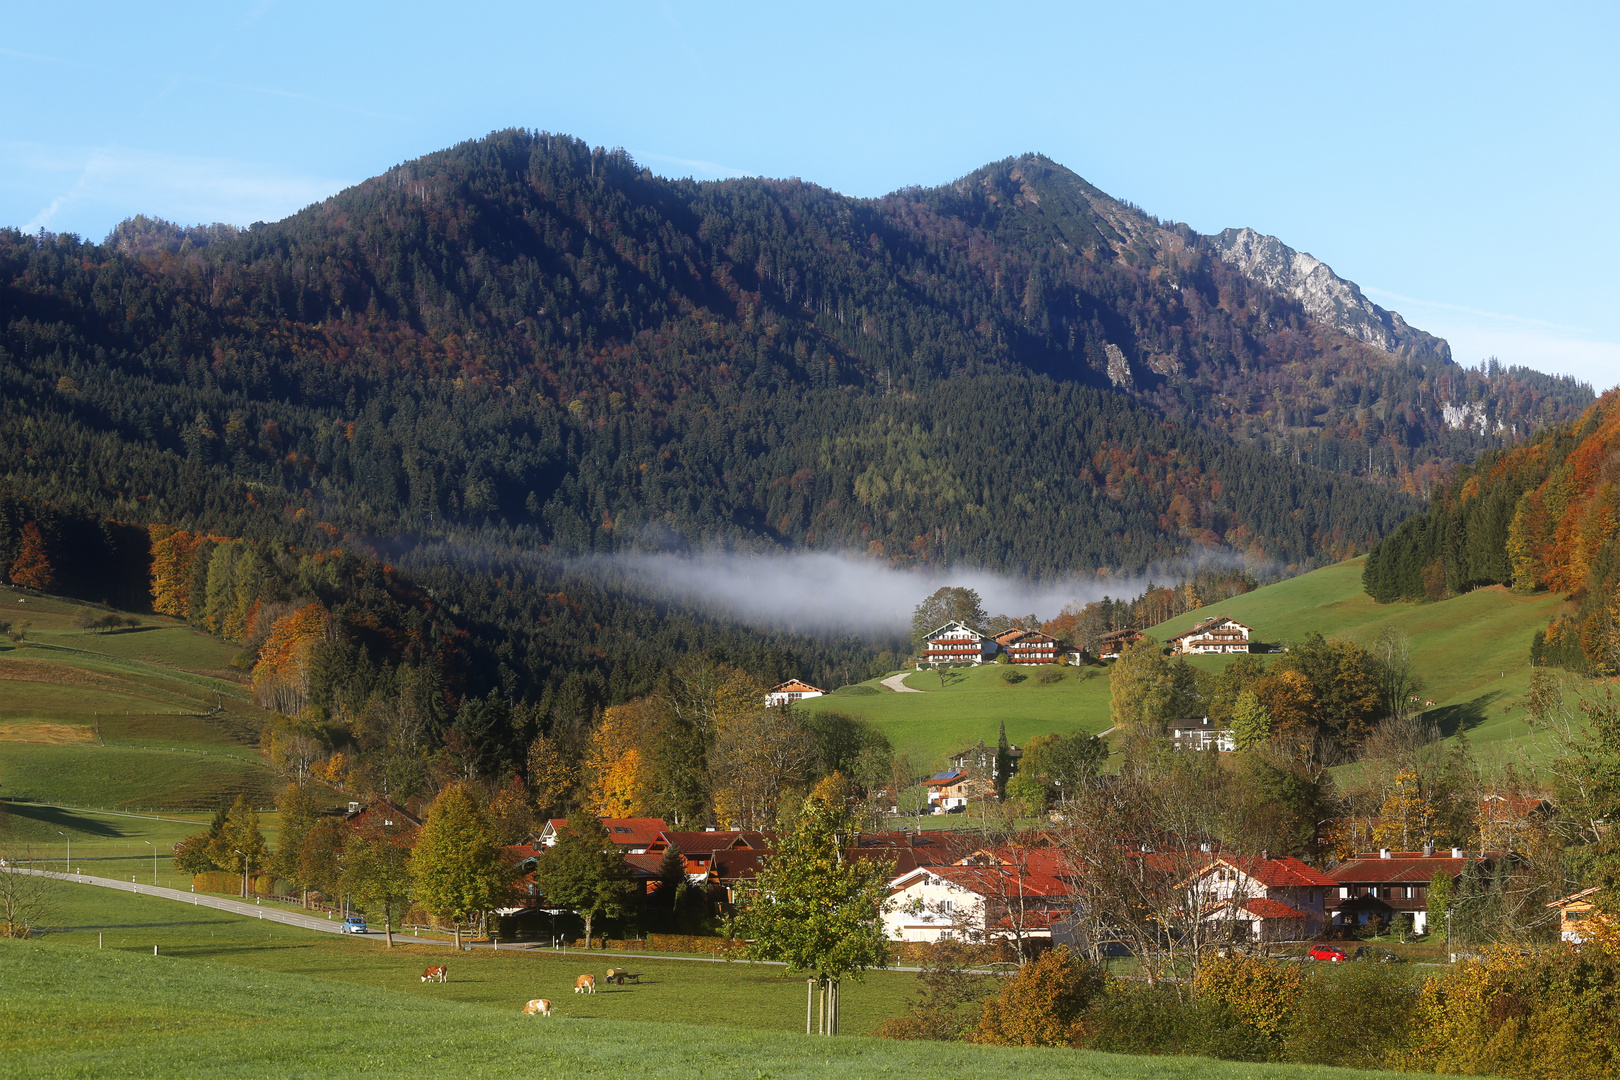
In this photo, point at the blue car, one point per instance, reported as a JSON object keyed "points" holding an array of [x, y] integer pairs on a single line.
{"points": [[354, 924]]}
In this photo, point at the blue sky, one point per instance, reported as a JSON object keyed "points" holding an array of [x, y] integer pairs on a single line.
{"points": [[1458, 161]]}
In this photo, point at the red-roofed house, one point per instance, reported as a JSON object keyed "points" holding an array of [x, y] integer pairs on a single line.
{"points": [[1278, 899], [385, 816], [1384, 885], [977, 903], [633, 836]]}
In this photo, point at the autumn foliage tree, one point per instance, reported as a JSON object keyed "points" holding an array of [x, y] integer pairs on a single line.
{"points": [[32, 568]]}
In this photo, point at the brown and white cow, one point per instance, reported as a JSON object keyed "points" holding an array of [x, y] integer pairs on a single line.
{"points": [[585, 984], [437, 973], [537, 1007]]}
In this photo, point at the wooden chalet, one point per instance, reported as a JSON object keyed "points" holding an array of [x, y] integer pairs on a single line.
{"points": [[1216, 634], [956, 643], [385, 817], [1111, 644], [791, 691], [1574, 911], [1029, 646], [950, 789]]}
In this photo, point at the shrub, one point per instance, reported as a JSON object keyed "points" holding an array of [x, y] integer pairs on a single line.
{"points": [[1354, 1015], [1043, 1004], [1262, 994], [1049, 676], [1012, 676], [1551, 1014]]}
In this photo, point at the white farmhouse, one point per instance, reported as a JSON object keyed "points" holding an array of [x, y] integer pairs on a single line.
{"points": [[790, 691]]}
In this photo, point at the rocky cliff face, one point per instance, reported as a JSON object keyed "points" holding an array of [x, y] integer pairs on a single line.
{"points": [[1326, 296]]}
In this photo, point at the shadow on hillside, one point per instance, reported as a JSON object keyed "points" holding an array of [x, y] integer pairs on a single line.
{"points": [[63, 819], [1469, 714], [123, 630]]}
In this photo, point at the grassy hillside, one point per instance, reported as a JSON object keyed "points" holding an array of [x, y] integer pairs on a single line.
{"points": [[1472, 651], [153, 716], [229, 997], [108, 843], [972, 704]]}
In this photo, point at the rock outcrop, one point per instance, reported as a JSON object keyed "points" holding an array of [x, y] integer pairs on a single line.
{"points": [[1326, 296]]}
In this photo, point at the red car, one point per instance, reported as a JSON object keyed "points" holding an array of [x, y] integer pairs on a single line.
{"points": [[1327, 952]]}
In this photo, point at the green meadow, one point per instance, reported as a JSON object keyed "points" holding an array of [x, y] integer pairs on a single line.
{"points": [[972, 704], [1472, 651], [148, 717], [230, 997]]}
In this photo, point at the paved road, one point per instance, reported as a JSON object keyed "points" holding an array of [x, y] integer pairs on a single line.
{"points": [[897, 683], [332, 926], [218, 903]]}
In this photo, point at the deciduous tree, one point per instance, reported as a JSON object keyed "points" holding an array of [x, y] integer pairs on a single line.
{"points": [[811, 907], [584, 872], [457, 868]]}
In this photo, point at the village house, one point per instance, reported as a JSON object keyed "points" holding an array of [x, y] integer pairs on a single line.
{"points": [[981, 758], [1265, 899], [1028, 646], [1381, 886], [791, 691], [1573, 912], [1505, 819], [632, 836], [1111, 644], [386, 817], [951, 789], [1198, 733], [1216, 634], [956, 643], [1002, 895]]}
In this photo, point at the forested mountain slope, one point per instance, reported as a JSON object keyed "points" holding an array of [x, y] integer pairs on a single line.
{"points": [[1544, 516], [522, 333], [369, 442]]}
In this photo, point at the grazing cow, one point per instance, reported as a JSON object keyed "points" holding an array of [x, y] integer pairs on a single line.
{"points": [[437, 973], [585, 984], [537, 1007]]}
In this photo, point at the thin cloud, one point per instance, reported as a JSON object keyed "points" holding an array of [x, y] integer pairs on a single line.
{"points": [[709, 168], [114, 183], [1442, 306]]}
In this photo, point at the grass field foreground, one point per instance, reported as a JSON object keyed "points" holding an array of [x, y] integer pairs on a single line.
{"points": [[71, 1011]]}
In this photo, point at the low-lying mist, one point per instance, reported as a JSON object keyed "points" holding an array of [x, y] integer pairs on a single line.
{"points": [[821, 592]]}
